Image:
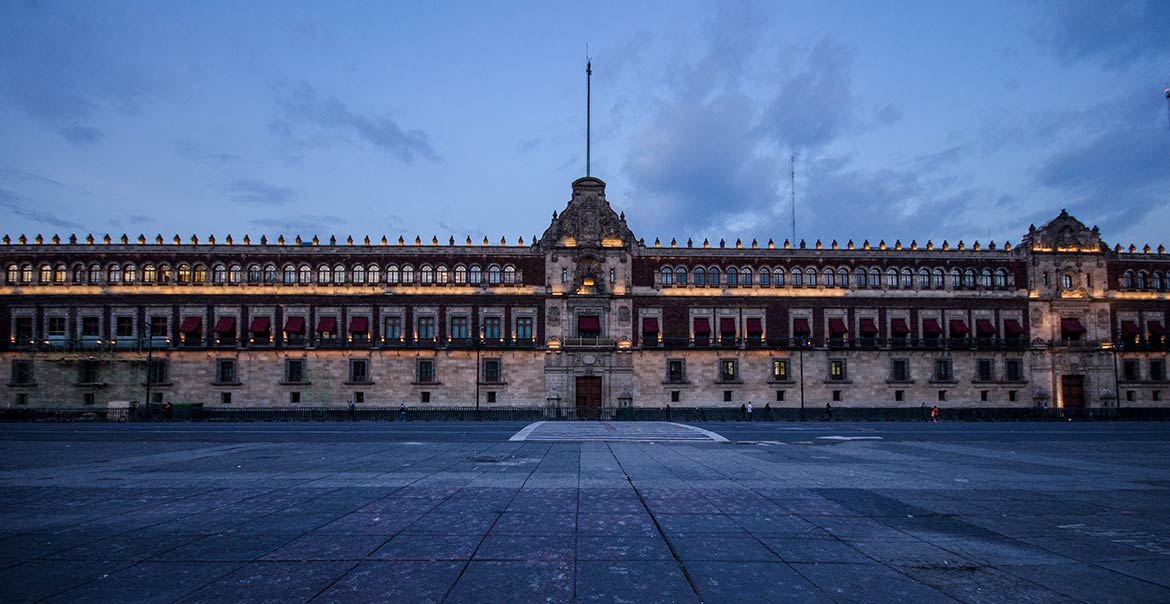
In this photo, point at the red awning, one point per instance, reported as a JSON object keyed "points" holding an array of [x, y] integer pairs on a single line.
{"points": [[899, 327], [294, 325], [1156, 328], [800, 327], [327, 325], [869, 328], [984, 327], [755, 326], [191, 325], [837, 327], [359, 325], [259, 325], [588, 323], [959, 327], [702, 326], [650, 325], [1072, 326], [1129, 328], [225, 325], [727, 326], [931, 327], [1012, 327]]}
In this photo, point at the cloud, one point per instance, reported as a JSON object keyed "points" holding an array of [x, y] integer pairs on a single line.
{"points": [[1116, 33], [305, 225], [816, 104], [303, 104], [201, 153], [19, 205], [82, 135], [247, 190]]}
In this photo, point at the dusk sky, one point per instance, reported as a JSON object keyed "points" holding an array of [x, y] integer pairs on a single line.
{"points": [[908, 120]]}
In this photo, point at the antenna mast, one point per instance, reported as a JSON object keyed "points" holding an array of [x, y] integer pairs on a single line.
{"points": [[792, 184], [1167, 93], [588, 102]]}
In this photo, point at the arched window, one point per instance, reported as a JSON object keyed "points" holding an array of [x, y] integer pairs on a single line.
{"points": [[830, 277], [95, 273], [765, 277], [441, 275], [460, 274], [305, 274], [129, 273], [797, 277], [79, 273], [289, 274], [374, 273], [732, 276], [392, 274], [148, 274], [59, 273], [969, 278], [474, 274], [907, 279], [842, 277], [255, 275], [359, 274], [270, 273], [985, 278], [1156, 280], [956, 278], [713, 276], [324, 274], [339, 274], [493, 275], [875, 277], [26, 273], [859, 279], [891, 278], [778, 277], [426, 275], [46, 273], [1066, 281], [700, 276], [235, 273], [199, 274], [114, 274], [164, 273], [937, 278], [1127, 280], [680, 275], [1000, 279], [745, 277], [408, 275], [667, 276], [1141, 280], [12, 274], [810, 277], [219, 274], [510, 275], [923, 279]]}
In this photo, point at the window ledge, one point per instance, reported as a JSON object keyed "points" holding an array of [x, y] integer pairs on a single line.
{"points": [[838, 381], [157, 384], [295, 383], [788, 382], [728, 381], [985, 382], [426, 383], [227, 383], [496, 383], [946, 382], [900, 382], [92, 384], [362, 383], [676, 382]]}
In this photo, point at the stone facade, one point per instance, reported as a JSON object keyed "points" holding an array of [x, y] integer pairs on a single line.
{"points": [[582, 318]]}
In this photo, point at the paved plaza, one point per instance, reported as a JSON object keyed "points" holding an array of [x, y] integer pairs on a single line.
{"points": [[459, 512]]}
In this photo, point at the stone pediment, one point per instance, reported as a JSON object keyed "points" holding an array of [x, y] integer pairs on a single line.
{"points": [[588, 221], [1063, 234]]}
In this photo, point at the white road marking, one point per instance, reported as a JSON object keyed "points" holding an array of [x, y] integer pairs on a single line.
{"points": [[849, 438], [522, 435]]}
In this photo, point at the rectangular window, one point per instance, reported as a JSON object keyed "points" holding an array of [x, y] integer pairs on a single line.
{"points": [[89, 372], [491, 397], [779, 396], [1158, 370], [524, 329], [1011, 396], [359, 371], [942, 370], [426, 371], [676, 370], [728, 370], [225, 398], [294, 370], [424, 397], [294, 397], [491, 328], [158, 327], [836, 396], [1013, 370], [459, 328], [123, 327], [55, 327], [1156, 395], [780, 370], [23, 329], [359, 397], [392, 328], [984, 370], [727, 396], [983, 394], [157, 371], [88, 398], [1130, 370], [426, 328], [899, 395], [837, 370], [22, 373], [225, 371], [21, 398], [942, 396], [900, 370], [1130, 396], [90, 327], [675, 396], [491, 370]]}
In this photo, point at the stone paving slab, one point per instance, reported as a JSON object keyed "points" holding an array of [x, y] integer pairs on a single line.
{"points": [[614, 432], [993, 518]]}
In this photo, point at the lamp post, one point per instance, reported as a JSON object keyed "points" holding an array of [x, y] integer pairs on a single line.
{"points": [[145, 328], [800, 342]]}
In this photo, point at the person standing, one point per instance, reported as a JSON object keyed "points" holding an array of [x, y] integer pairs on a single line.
{"points": [[934, 414], [829, 411], [767, 412], [749, 411], [352, 412], [742, 412], [402, 411]]}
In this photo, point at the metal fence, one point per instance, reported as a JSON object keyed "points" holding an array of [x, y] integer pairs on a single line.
{"points": [[199, 413]]}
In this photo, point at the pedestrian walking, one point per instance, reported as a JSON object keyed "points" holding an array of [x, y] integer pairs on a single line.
{"points": [[168, 411], [667, 411], [767, 412], [829, 411], [934, 414], [749, 411], [402, 411], [352, 412], [742, 412]]}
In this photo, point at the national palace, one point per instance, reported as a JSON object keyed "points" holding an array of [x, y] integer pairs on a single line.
{"points": [[586, 317]]}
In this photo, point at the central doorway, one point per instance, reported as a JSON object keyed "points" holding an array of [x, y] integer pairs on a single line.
{"points": [[1072, 391], [588, 397]]}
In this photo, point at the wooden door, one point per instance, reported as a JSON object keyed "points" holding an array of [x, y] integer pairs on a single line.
{"points": [[1072, 391], [588, 397]]}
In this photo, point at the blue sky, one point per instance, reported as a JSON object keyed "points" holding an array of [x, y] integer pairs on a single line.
{"points": [[908, 120]]}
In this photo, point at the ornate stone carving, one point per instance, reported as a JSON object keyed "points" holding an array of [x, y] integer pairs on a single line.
{"points": [[554, 316], [623, 315], [588, 219], [1064, 233]]}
